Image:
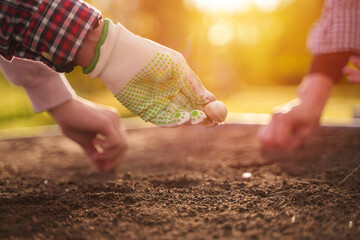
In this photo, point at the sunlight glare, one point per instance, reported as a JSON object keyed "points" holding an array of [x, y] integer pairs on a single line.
{"points": [[236, 6], [221, 5], [267, 5], [220, 34]]}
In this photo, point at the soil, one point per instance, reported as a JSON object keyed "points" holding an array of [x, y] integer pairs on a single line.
{"points": [[184, 183]]}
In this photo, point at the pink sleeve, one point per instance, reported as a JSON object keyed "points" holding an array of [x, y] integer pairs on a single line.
{"points": [[45, 88], [337, 29]]}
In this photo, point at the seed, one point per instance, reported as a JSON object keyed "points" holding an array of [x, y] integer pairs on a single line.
{"points": [[246, 175], [216, 111], [351, 224]]}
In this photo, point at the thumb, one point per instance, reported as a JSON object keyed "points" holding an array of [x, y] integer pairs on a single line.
{"points": [[111, 137]]}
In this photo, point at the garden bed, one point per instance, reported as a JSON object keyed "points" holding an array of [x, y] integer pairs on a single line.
{"points": [[184, 183]]}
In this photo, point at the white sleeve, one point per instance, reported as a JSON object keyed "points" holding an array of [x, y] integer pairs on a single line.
{"points": [[45, 88]]}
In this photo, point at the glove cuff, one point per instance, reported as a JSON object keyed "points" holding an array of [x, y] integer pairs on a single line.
{"points": [[95, 60]]}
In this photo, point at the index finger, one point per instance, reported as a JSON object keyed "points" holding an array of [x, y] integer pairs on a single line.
{"points": [[195, 90]]}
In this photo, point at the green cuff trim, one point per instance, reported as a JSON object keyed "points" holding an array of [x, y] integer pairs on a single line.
{"points": [[94, 61]]}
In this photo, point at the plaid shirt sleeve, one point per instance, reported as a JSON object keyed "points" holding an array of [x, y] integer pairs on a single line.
{"points": [[337, 29], [50, 31]]}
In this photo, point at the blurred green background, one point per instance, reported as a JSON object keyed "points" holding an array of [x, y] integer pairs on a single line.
{"points": [[250, 53]]}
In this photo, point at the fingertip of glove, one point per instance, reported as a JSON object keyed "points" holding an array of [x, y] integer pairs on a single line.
{"points": [[197, 117]]}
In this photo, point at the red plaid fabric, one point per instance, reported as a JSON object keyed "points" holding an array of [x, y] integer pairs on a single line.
{"points": [[338, 28], [50, 31]]}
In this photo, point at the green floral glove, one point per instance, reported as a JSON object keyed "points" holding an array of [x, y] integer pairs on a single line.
{"points": [[152, 81]]}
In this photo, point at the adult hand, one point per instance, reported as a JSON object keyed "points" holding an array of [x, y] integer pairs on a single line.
{"points": [[152, 81], [353, 73], [95, 128]]}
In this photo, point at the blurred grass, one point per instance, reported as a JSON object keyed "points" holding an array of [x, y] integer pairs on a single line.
{"points": [[16, 111], [262, 99]]}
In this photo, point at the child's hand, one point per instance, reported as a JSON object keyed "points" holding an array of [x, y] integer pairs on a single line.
{"points": [[152, 81], [295, 121], [96, 129], [290, 125], [353, 73]]}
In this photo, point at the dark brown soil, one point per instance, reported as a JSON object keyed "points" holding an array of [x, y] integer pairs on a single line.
{"points": [[183, 183]]}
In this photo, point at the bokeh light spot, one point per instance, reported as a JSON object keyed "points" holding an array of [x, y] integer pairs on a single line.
{"points": [[247, 34], [220, 34]]}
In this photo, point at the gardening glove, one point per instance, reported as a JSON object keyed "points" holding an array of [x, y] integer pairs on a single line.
{"points": [[152, 81]]}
